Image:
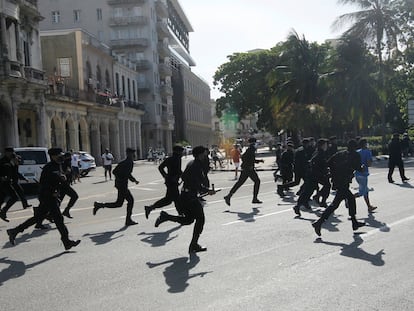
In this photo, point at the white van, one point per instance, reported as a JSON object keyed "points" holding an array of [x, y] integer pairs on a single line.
{"points": [[32, 161]]}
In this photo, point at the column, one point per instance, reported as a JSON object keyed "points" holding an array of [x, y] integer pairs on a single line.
{"points": [[43, 124], [122, 143], [3, 43]]}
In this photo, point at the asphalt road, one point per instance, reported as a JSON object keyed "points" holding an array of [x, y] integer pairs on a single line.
{"points": [[260, 257]]}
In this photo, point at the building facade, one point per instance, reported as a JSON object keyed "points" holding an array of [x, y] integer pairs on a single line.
{"points": [[149, 34], [82, 111], [22, 81]]}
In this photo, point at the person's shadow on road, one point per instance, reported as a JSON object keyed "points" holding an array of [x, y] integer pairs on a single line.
{"points": [[246, 217], [354, 251], [28, 236], [16, 269], [104, 237], [372, 222], [177, 273], [157, 239]]}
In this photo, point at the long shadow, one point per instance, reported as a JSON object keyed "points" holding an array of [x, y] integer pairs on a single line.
{"points": [[177, 273], [331, 224], [17, 269], [157, 239], [27, 237], [372, 222], [354, 251], [104, 237], [100, 182], [246, 217], [405, 185]]}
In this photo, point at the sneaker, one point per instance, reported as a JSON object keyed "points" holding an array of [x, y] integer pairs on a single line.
{"points": [[66, 213], [196, 248], [256, 201], [96, 206], [317, 227], [130, 222], [12, 236], [148, 210], [296, 208], [69, 244], [161, 218], [371, 209], [227, 199], [4, 216]]}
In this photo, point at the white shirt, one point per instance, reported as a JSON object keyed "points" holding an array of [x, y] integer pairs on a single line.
{"points": [[107, 158], [74, 160]]}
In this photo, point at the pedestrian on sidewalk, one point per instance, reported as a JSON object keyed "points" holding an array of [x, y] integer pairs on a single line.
{"points": [[107, 159], [235, 157]]}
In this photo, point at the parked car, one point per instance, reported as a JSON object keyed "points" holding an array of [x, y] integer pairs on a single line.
{"points": [[32, 160], [86, 163]]}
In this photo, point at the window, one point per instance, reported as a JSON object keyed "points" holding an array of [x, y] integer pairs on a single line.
{"points": [[64, 67], [76, 16], [99, 14], [55, 17]]}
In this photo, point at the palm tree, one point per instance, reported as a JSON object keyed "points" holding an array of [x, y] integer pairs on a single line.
{"points": [[377, 23]]}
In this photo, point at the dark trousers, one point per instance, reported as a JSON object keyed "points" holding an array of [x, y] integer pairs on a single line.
{"points": [[108, 170], [323, 193], [48, 207], [247, 173], [342, 193], [299, 175], [15, 192], [392, 165], [171, 195], [123, 194], [66, 189], [308, 187], [192, 210]]}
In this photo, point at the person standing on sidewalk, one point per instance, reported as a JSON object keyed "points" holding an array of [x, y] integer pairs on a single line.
{"points": [[50, 185], [362, 176], [107, 159], [122, 174], [248, 171], [172, 179], [235, 157], [395, 159]]}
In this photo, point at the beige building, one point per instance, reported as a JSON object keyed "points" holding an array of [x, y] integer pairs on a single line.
{"points": [[22, 81], [83, 112], [148, 34]]}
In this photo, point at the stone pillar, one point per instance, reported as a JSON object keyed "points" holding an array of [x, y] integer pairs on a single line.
{"points": [[139, 140], [43, 125], [96, 142], [122, 142], [3, 42], [19, 53], [127, 133], [133, 135]]}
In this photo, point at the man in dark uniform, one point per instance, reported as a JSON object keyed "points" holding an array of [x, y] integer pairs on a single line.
{"points": [[343, 164], [194, 183], [15, 191], [172, 178], [50, 182], [122, 174], [286, 163], [317, 173], [66, 186], [248, 161], [395, 159], [332, 147], [300, 164]]}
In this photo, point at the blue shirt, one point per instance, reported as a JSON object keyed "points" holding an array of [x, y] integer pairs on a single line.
{"points": [[366, 156]]}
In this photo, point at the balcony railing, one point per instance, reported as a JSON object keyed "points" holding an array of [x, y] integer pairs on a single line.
{"points": [[34, 75], [128, 20], [12, 69], [130, 43], [116, 2]]}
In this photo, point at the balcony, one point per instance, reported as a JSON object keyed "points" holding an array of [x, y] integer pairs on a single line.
{"points": [[161, 8], [165, 70], [162, 29], [135, 105], [29, 7], [143, 64], [166, 90], [128, 20], [130, 43], [12, 69], [120, 2], [163, 49], [33, 75]]}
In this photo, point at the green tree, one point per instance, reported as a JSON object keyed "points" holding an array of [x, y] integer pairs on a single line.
{"points": [[376, 23]]}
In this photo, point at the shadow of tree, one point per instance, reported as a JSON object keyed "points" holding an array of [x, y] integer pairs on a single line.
{"points": [[157, 239], [104, 237], [177, 273], [246, 217], [353, 250]]}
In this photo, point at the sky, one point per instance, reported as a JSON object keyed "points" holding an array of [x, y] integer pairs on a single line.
{"points": [[224, 27]]}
